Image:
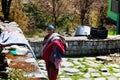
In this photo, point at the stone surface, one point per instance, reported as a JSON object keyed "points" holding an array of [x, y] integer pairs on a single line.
{"points": [[85, 79], [65, 79], [66, 64], [93, 65], [71, 70], [118, 78], [87, 75], [106, 74], [104, 69], [69, 74], [100, 79], [114, 65], [112, 78], [92, 70], [42, 64], [84, 69], [116, 70], [116, 74], [95, 75], [103, 58], [82, 45], [41, 61], [76, 62]]}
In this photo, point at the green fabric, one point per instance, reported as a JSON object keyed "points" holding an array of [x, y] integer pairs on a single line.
{"points": [[13, 52]]}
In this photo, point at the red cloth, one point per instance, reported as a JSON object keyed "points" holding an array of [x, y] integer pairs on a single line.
{"points": [[48, 49], [52, 72]]}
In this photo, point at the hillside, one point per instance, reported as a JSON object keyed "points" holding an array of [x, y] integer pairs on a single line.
{"points": [[65, 13], [35, 15]]}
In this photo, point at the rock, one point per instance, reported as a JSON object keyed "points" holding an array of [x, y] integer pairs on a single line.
{"points": [[43, 68], [71, 70], [91, 58], [26, 1], [94, 65], [70, 74], [92, 70], [41, 61], [81, 65], [76, 59], [67, 64], [80, 73], [103, 58], [36, 75], [114, 65], [116, 74], [30, 60], [118, 78], [65, 79], [43, 71], [95, 75], [106, 74], [115, 55], [116, 70], [87, 75], [64, 59], [42, 65], [84, 79], [100, 79], [76, 62], [104, 69], [112, 78]]}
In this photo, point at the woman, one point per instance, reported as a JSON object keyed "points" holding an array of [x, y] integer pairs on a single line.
{"points": [[53, 50]]}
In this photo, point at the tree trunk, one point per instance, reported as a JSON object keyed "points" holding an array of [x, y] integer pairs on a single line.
{"points": [[54, 12], [6, 8], [84, 9]]}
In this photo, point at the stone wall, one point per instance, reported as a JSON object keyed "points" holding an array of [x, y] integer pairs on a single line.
{"points": [[79, 46]]}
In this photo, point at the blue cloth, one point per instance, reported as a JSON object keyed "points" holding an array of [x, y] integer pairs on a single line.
{"points": [[15, 38], [51, 27], [57, 54]]}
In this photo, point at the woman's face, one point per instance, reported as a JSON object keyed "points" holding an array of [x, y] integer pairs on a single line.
{"points": [[50, 31]]}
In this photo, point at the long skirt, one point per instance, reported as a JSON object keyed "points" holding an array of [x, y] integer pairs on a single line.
{"points": [[52, 71]]}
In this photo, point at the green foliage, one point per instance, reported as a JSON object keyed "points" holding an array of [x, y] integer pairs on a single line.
{"points": [[41, 20], [14, 75], [84, 59], [84, 70], [77, 77], [110, 69], [64, 20], [111, 33]]}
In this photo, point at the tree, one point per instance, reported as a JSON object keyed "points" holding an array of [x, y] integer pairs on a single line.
{"points": [[53, 9], [57, 8], [84, 7], [6, 8]]}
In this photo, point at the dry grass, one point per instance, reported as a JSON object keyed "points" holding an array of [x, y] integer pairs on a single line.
{"points": [[115, 58]]}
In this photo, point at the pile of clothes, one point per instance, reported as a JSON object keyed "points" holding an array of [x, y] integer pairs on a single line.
{"points": [[11, 34]]}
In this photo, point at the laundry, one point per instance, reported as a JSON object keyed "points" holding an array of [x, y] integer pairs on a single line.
{"points": [[17, 50], [11, 34]]}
